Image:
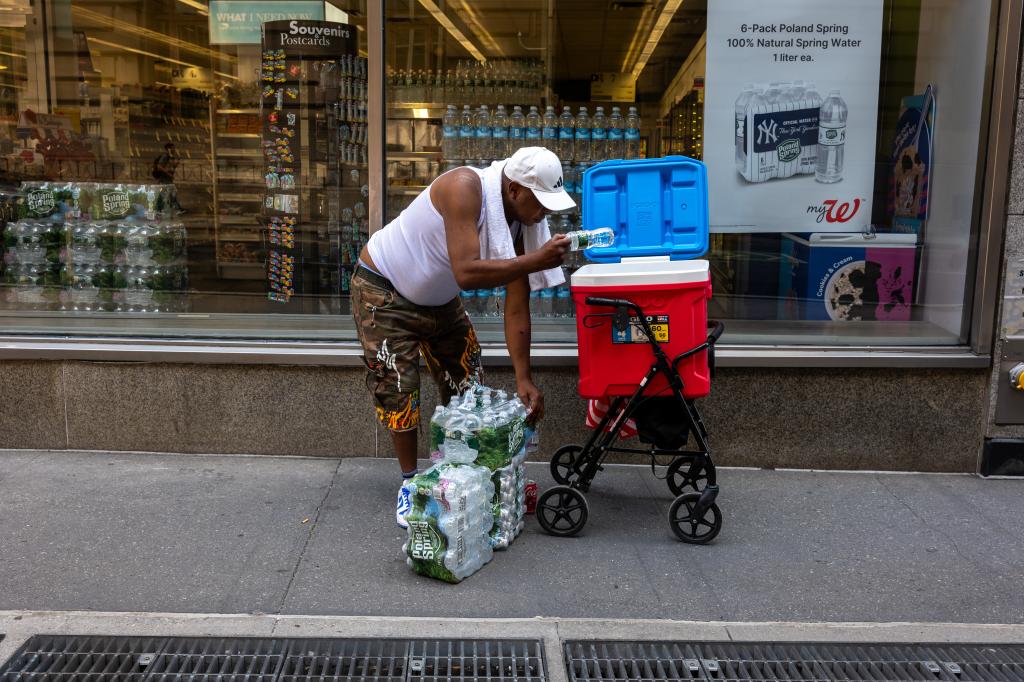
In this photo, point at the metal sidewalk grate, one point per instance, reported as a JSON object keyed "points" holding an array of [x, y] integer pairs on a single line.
{"points": [[45, 658], [588, 661]]}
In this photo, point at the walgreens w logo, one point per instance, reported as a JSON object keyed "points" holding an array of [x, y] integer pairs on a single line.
{"points": [[831, 211]]}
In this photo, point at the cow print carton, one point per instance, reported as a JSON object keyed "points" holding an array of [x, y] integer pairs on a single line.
{"points": [[777, 130]]}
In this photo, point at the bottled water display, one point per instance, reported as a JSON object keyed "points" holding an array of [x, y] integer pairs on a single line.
{"points": [[476, 137], [91, 246], [585, 239], [493, 82], [831, 138]]}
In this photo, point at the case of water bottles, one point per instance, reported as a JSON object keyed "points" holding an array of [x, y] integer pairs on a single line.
{"points": [[472, 501], [787, 129], [658, 211]]}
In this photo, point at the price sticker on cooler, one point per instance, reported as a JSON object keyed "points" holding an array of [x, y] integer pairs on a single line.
{"points": [[634, 332]]}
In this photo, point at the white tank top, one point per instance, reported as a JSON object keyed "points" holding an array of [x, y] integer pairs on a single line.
{"points": [[412, 252]]}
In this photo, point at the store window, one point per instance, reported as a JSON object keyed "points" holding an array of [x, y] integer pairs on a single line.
{"points": [[842, 141], [169, 169]]}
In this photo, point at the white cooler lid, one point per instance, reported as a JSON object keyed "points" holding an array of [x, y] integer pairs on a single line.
{"points": [[653, 270]]}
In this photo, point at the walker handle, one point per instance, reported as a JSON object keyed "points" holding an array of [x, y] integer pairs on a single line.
{"points": [[716, 333]]}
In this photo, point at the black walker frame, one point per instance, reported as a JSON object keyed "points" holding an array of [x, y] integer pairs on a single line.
{"points": [[694, 517]]}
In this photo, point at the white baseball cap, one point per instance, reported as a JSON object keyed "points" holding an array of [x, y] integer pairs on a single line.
{"points": [[540, 171]]}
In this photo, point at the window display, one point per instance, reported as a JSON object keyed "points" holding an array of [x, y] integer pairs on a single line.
{"points": [[842, 147], [819, 125]]}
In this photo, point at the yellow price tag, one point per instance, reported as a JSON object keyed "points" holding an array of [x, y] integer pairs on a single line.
{"points": [[660, 332]]}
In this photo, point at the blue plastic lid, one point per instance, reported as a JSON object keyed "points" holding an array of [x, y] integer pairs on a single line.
{"points": [[657, 207]]}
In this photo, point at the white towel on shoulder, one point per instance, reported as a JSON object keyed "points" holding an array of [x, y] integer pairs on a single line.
{"points": [[496, 235]]}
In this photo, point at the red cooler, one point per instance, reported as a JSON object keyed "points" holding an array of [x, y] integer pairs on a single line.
{"points": [[658, 210]]}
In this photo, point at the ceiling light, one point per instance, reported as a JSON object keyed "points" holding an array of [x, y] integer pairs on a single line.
{"points": [[643, 25], [127, 27], [660, 25], [482, 34], [118, 46], [438, 15], [198, 6]]}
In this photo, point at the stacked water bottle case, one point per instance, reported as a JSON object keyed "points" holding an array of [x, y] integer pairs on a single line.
{"points": [[471, 502], [80, 247]]}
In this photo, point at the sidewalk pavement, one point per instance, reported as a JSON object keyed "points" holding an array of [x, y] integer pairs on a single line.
{"points": [[125, 532]]}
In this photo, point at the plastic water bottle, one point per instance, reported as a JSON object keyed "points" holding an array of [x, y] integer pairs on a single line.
{"points": [[517, 129], [632, 134], [534, 304], [599, 136], [563, 301], [498, 301], [550, 122], [566, 133], [582, 152], [831, 138], [568, 177], [547, 302], [483, 303], [741, 125], [468, 298], [616, 132], [467, 134], [450, 141], [533, 128], [499, 134], [585, 239], [483, 134]]}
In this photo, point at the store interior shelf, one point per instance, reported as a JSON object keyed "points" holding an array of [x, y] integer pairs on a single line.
{"points": [[407, 190], [414, 156], [253, 110], [416, 111], [241, 197], [238, 220], [240, 136], [240, 153]]}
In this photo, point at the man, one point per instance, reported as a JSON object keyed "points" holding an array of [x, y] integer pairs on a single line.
{"points": [[405, 292]]}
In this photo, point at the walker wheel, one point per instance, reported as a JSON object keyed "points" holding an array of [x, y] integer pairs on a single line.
{"points": [[564, 462], [687, 526], [687, 474], [562, 511]]}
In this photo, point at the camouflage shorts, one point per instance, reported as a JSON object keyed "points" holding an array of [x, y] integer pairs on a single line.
{"points": [[394, 332]]}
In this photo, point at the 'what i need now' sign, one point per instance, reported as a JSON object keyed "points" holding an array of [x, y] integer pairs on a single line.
{"points": [[236, 22]]}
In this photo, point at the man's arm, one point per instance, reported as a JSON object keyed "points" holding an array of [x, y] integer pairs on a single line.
{"points": [[458, 197], [517, 338]]}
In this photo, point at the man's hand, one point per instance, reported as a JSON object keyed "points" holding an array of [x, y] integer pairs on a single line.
{"points": [[532, 398], [552, 254]]}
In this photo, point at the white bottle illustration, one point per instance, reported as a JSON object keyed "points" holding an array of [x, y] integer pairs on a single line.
{"points": [[831, 138]]}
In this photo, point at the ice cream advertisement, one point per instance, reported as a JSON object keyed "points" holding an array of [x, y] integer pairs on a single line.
{"points": [[790, 114]]}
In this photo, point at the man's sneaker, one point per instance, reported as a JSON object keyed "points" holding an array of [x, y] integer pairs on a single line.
{"points": [[403, 506]]}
